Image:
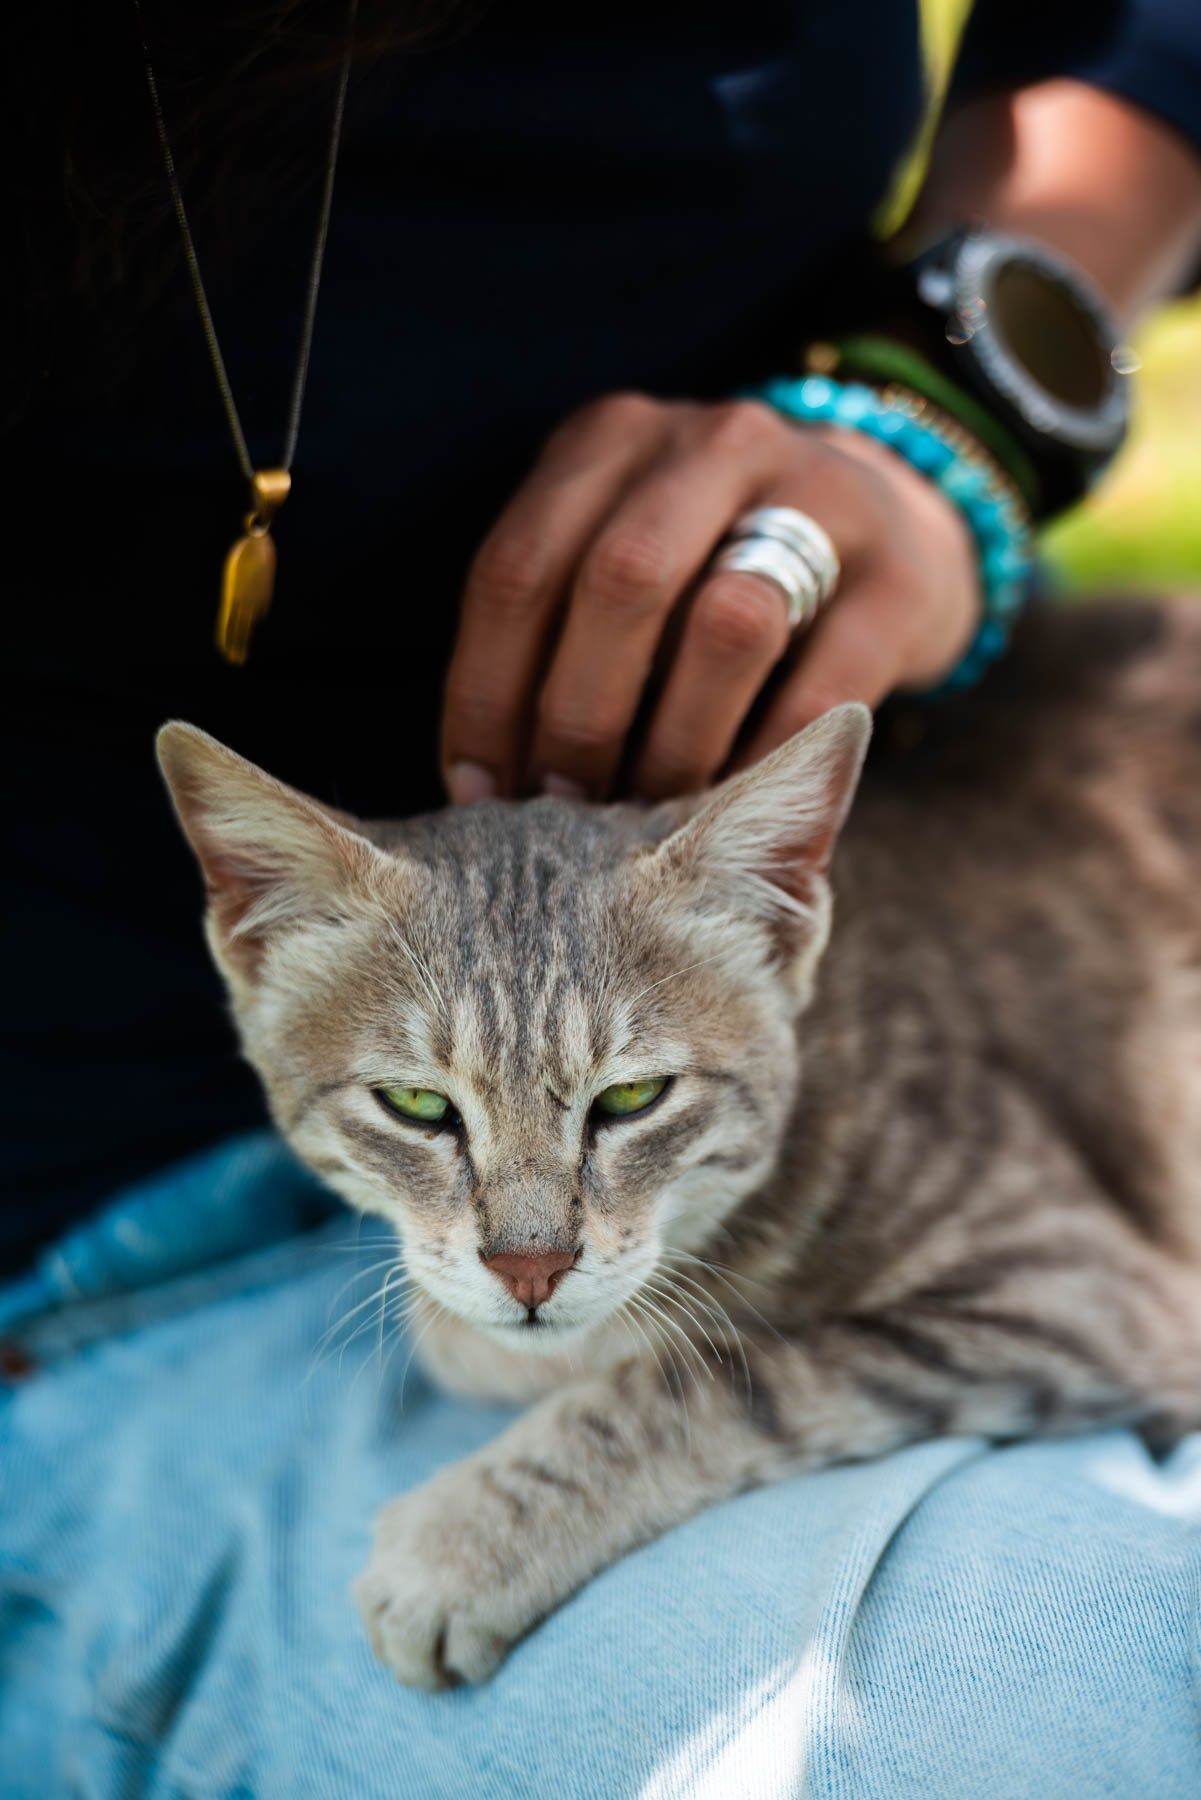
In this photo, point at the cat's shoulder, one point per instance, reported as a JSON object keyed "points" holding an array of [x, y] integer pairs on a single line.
{"points": [[1096, 691]]}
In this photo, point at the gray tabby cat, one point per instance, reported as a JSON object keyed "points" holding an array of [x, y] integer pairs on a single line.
{"points": [[725, 1200]]}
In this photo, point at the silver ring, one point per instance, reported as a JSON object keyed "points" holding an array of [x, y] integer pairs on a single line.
{"points": [[780, 564], [789, 549], [800, 532]]}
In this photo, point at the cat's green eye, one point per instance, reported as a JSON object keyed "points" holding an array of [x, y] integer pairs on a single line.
{"points": [[421, 1104], [626, 1097]]}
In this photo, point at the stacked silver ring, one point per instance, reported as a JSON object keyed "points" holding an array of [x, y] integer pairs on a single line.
{"points": [[789, 549]]}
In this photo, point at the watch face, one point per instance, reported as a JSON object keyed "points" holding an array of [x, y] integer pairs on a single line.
{"points": [[1049, 337], [1041, 338]]}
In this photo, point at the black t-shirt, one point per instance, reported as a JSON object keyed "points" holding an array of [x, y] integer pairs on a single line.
{"points": [[557, 203]]}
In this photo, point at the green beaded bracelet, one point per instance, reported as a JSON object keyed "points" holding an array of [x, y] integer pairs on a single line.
{"points": [[881, 360], [1000, 532]]}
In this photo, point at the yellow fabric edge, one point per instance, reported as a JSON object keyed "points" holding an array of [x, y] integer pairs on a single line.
{"points": [[941, 25]]}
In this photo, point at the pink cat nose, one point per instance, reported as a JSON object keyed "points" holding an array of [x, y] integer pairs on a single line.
{"points": [[531, 1279]]}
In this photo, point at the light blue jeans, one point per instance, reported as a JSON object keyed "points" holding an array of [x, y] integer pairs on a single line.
{"points": [[186, 1486]]}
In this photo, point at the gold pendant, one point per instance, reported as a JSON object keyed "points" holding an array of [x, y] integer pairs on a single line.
{"points": [[248, 579]]}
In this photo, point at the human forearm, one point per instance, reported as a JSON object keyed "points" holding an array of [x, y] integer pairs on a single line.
{"points": [[1084, 171]]}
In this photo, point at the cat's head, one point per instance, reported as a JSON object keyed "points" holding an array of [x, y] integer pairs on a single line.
{"points": [[548, 1040]]}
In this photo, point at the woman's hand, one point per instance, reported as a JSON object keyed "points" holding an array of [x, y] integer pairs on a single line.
{"points": [[568, 603]]}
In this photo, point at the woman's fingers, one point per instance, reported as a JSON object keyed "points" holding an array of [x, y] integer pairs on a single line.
{"points": [[737, 626], [516, 584], [643, 562], [852, 653], [736, 632], [902, 613], [862, 647], [593, 582]]}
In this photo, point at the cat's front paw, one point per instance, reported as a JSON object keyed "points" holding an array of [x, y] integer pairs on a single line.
{"points": [[456, 1577]]}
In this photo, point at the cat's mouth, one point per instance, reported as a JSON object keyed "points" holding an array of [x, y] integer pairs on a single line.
{"points": [[538, 1330], [538, 1321]]}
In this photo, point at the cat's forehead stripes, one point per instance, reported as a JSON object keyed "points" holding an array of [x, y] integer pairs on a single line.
{"points": [[542, 1064], [508, 928]]}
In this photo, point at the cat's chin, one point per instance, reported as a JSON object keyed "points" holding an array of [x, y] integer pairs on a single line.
{"points": [[515, 1363], [537, 1336]]}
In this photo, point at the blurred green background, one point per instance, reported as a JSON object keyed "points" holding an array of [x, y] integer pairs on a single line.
{"points": [[1141, 528]]}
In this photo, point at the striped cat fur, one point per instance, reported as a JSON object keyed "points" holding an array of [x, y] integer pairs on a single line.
{"points": [[933, 1167]]}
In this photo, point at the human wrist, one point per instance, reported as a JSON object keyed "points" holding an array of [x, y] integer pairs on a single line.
{"points": [[1010, 337], [966, 476], [893, 364]]}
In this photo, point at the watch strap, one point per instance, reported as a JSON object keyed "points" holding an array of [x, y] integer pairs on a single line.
{"points": [[952, 282]]}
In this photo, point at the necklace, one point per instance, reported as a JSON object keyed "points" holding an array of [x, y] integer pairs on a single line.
{"points": [[248, 578]]}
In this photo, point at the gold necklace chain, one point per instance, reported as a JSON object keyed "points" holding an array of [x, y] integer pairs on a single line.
{"points": [[248, 579]]}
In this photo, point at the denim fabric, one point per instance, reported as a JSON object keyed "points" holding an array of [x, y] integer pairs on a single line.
{"points": [[186, 1486]]}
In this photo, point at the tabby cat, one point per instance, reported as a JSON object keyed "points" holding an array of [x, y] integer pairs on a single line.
{"points": [[724, 1194]]}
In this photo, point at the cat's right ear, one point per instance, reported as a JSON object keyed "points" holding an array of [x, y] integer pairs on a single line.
{"points": [[271, 857], [760, 845]]}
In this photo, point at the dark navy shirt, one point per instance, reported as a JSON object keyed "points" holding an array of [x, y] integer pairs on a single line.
{"points": [[561, 202]]}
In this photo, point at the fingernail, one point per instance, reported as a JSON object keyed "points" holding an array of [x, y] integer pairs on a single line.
{"points": [[467, 782], [562, 788]]}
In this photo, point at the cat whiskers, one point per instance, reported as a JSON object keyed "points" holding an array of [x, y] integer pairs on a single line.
{"points": [[383, 1313], [408, 1306], [689, 1304], [424, 974], [381, 1262], [675, 1331], [675, 1393], [720, 1274], [675, 975], [326, 1343], [439, 1311], [390, 1263]]}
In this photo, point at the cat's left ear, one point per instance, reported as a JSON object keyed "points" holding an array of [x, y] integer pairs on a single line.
{"points": [[271, 857], [762, 842]]}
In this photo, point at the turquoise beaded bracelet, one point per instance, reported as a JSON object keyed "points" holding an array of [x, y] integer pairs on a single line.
{"points": [[1000, 532]]}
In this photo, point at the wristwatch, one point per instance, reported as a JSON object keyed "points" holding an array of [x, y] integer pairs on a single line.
{"points": [[1025, 331]]}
